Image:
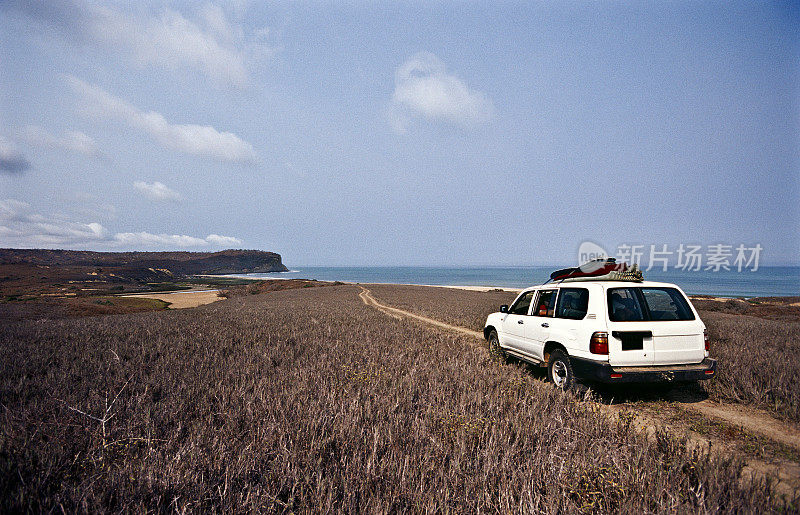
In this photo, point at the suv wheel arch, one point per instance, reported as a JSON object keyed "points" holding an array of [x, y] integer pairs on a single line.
{"points": [[550, 347]]}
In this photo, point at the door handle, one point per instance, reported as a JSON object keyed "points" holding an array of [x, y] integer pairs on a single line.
{"points": [[545, 324], [520, 322]]}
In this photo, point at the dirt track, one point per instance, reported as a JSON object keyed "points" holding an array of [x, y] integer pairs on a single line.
{"points": [[785, 473]]}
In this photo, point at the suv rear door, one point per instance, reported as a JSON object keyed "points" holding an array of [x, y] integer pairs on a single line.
{"points": [[630, 339], [677, 334], [652, 326]]}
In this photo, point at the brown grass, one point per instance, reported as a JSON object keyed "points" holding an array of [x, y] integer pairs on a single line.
{"points": [[306, 400], [758, 356]]}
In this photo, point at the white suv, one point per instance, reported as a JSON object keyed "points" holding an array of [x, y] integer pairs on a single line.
{"points": [[609, 331]]}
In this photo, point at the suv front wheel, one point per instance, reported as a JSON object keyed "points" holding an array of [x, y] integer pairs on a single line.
{"points": [[559, 370], [495, 350]]}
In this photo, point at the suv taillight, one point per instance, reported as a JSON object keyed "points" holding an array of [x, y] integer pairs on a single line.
{"points": [[599, 343], [705, 337]]}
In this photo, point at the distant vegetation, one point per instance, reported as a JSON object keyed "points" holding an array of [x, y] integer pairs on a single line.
{"points": [[256, 287], [771, 308], [307, 401]]}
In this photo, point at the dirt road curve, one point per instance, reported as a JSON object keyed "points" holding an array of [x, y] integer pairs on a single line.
{"points": [[369, 300], [749, 419], [785, 473]]}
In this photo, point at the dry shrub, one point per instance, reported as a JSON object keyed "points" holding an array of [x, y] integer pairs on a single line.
{"points": [[308, 401]]}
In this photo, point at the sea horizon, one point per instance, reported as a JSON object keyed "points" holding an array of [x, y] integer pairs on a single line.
{"points": [[767, 281]]}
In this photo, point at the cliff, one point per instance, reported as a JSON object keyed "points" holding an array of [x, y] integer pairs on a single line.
{"points": [[178, 263]]}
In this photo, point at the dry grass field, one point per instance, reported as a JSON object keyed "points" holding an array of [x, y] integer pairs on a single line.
{"points": [[306, 400], [758, 356]]}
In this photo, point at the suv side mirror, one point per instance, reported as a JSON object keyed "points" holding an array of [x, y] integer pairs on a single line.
{"points": [[504, 308]]}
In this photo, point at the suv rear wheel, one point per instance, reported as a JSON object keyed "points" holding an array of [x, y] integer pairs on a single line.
{"points": [[559, 370]]}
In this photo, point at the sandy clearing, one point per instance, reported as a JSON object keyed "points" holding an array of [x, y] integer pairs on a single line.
{"points": [[183, 299]]}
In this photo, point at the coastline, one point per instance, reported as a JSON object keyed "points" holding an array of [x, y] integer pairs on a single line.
{"points": [[180, 299]]}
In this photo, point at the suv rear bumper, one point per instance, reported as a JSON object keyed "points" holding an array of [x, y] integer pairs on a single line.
{"points": [[603, 372]]}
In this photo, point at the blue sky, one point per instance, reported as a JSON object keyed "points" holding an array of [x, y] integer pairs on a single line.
{"points": [[410, 133]]}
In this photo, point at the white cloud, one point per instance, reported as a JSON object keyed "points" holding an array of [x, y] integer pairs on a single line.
{"points": [[72, 141], [211, 45], [222, 241], [157, 191], [200, 140], [136, 239], [11, 161], [424, 88], [146, 239], [21, 227]]}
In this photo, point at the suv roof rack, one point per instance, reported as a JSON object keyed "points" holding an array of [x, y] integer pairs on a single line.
{"points": [[598, 270]]}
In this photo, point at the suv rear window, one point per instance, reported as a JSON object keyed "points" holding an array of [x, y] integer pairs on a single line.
{"points": [[653, 304], [572, 303]]}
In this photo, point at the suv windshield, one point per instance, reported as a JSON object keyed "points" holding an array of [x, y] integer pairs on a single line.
{"points": [[654, 304]]}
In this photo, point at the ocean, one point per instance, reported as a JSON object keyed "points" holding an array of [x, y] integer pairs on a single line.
{"points": [[765, 282]]}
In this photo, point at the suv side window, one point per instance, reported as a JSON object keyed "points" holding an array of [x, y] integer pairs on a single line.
{"points": [[545, 304], [573, 303], [624, 306], [666, 304], [522, 304]]}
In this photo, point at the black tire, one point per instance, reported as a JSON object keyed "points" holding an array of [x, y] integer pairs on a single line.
{"points": [[495, 350], [559, 370]]}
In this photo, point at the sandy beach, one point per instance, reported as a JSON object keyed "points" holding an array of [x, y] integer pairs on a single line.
{"points": [[183, 299]]}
